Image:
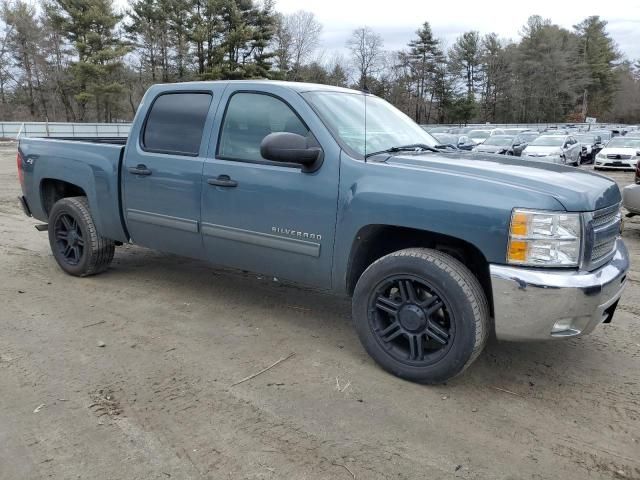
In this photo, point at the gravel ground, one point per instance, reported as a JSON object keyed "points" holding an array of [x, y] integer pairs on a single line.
{"points": [[129, 375]]}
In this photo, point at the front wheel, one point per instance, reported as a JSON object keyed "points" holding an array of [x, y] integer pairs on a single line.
{"points": [[74, 240], [421, 315]]}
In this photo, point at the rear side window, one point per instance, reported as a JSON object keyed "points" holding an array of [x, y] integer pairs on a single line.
{"points": [[249, 118], [176, 122]]}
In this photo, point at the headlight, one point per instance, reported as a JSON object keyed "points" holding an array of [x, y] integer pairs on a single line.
{"points": [[601, 156], [544, 239]]}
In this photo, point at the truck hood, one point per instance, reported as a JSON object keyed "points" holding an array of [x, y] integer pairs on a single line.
{"points": [[577, 190]]}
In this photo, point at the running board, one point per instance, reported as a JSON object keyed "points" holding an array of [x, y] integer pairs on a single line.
{"points": [[42, 227]]}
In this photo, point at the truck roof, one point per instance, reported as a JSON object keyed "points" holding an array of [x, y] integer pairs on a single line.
{"points": [[297, 86]]}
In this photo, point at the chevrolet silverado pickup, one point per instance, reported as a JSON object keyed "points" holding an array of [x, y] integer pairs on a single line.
{"points": [[338, 190]]}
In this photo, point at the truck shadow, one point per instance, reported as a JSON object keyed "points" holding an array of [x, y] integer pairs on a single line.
{"points": [[326, 322]]}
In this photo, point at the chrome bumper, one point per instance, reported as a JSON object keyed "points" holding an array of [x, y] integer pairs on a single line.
{"points": [[535, 304]]}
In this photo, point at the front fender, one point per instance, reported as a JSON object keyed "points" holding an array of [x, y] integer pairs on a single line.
{"points": [[475, 210]]}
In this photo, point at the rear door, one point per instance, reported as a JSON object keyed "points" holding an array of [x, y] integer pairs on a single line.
{"points": [[162, 172], [264, 216]]}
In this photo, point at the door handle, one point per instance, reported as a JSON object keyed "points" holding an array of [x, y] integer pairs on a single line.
{"points": [[222, 181], [140, 170]]}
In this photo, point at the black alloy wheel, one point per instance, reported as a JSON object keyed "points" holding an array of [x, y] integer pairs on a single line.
{"points": [[69, 239], [410, 320]]}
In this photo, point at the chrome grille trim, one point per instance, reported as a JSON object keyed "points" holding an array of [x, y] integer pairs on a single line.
{"points": [[602, 228]]}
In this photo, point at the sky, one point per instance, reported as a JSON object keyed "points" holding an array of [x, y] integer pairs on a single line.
{"points": [[397, 20]]}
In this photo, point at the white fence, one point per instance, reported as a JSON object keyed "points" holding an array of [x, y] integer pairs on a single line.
{"points": [[60, 129]]}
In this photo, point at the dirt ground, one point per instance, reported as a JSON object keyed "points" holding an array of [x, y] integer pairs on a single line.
{"points": [[156, 401]]}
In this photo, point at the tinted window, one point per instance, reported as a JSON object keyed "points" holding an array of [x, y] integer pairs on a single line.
{"points": [[176, 122], [249, 118]]}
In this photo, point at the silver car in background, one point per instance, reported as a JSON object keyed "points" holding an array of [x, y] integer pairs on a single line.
{"points": [[562, 149], [479, 135]]}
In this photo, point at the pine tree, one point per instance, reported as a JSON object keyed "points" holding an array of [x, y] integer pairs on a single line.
{"points": [[465, 57], [598, 54], [423, 56], [90, 26]]}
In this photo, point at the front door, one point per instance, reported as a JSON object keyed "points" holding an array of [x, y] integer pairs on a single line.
{"points": [[263, 216]]}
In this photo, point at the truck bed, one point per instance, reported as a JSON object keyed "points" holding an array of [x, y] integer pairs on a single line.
{"points": [[107, 140], [91, 163]]}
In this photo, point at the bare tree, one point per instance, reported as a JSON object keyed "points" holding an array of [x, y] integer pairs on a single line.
{"points": [[366, 52], [282, 44], [296, 37]]}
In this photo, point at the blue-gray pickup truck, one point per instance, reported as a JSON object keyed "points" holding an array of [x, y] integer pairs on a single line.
{"points": [[338, 190]]}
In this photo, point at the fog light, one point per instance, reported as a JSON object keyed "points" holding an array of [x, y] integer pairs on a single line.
{"points": [[564, 327]]}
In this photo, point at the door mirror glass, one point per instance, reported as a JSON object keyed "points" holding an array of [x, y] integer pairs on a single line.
{"points": [[289, 147]]}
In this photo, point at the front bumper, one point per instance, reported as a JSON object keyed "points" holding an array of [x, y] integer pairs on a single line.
{"points": [[536, 304], [612, 165]]}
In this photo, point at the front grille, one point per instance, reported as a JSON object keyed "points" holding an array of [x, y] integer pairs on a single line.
{"points": [[604, 218], [603, 229], [614, 156], [602, 250]]}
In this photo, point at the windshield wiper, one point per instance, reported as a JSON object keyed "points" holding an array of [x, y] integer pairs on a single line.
{"points": [[414, 147]]}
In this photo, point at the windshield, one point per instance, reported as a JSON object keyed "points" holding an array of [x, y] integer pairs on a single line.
{"points": [[622, 142], [386, 126], [549, 141], [586, 138], [479, 134], [498, 140]]}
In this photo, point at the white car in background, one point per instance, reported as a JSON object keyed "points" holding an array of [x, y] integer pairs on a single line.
{"points": [[620, 153], [562, 149], [631, 195]]}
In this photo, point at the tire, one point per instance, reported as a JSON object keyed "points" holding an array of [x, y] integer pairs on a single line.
{"points": [[74, 240], [402, 327]]}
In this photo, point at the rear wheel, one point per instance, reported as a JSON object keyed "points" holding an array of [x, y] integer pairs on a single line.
{"points": [[421, 315], [74, 240]]}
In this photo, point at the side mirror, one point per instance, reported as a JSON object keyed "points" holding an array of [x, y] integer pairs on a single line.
{"points": [[291, 148]]}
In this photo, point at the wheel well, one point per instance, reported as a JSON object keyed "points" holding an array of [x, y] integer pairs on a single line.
{"points": [[52, 190], [375, 241]]}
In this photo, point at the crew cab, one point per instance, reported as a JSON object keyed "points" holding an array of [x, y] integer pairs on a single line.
{"points": [[338, 190]]}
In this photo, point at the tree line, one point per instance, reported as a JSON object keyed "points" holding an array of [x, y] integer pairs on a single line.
{"points": [[81, 60]]}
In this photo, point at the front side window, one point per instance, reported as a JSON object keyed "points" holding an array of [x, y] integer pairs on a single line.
{"points": [[366, 123], [176, 122], [249, 118]]}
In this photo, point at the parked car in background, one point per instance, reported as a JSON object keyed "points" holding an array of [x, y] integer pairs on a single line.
{"points": [[502, 144], [529, 136], [437, 129], [605, 135], [480, 135], [620, 153], [461, 142], [631, 195], [515, 131], [563, 149], [591, 145], [633, 134], [461, 130]]}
